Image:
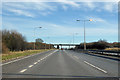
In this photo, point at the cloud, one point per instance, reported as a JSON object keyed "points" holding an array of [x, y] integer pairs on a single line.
{"points": [[21, 12], [62, 30], [30, 9], [107, 6], [65, 7], [42, 6], [71, 3], [110, 7], [45, 13], [14, 5], [27, 9], [90, 5], [60, 0]]}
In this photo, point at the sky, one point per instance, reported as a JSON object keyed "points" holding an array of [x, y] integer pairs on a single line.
{"points": [[58, 20]]}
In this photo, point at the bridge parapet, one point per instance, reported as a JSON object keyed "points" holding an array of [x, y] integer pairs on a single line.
{"points": [[66, 44]]}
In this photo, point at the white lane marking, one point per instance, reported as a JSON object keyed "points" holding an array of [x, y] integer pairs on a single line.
{"points": [[76, 57], [35, 62], [49, 55], [95, 67], [39, 60], [23, 70], [22, 58], [30, 66], [45, 57]]}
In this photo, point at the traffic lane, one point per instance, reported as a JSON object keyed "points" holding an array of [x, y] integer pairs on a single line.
{"points": [[61, 65], [15, 67], [111, 66]]}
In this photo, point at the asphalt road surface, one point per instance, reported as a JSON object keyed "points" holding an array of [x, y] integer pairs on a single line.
{"points": [[60, 63]]}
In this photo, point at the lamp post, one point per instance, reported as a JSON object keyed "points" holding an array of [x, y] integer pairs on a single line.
{"points": [[85, 32], [34, 34]]}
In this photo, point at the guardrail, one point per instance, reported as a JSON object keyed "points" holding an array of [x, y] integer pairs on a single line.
{"points": [[114, 55], [105, 52]]}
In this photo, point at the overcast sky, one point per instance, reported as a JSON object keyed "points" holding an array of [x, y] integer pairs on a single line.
{"points": [[58, 20]]}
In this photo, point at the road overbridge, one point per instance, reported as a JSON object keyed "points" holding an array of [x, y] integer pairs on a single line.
{"points": [[58, 45]]}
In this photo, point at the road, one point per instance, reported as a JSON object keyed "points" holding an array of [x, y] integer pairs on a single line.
{"points": [[60, 63]]}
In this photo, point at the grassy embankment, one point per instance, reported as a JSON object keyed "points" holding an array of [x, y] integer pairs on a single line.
{"points": [[18, 54], [109, 49], [113, 49]]}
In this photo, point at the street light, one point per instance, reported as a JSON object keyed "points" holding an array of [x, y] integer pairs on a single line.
{"points": [[84, 31], [34, 34]]}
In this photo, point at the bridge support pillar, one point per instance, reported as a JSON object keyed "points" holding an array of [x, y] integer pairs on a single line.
{"points": [[69, 46], [57, 46]]}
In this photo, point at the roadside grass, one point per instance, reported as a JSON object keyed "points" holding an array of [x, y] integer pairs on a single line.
{"points": [[108, 49], [113, 49], [18, 54]]}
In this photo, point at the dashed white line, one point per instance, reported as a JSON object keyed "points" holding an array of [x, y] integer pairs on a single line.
{"points": [[30, 66], [22, 58], [45, 56], [76, 57], [23, 70], [25, 58], [35, 62], [39, 60], [95, 67]]}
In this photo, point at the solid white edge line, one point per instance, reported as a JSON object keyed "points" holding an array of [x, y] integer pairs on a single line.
{"points": [[95, 67], [24, 58]]}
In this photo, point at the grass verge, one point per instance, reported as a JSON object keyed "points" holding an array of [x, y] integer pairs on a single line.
{"points": [[113, 49], [18, 54]]}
